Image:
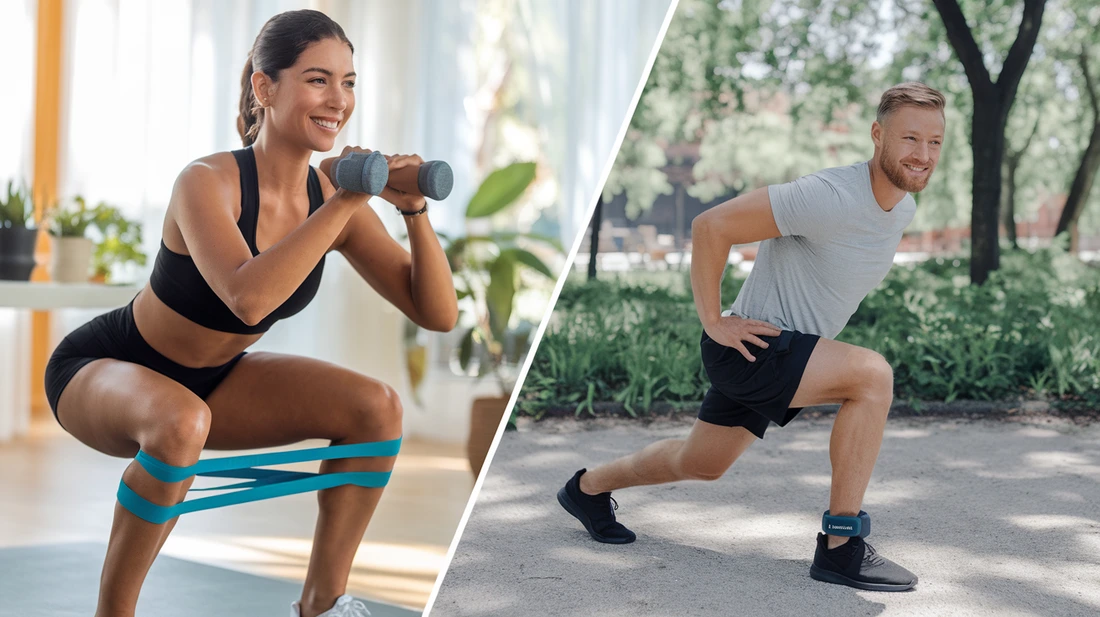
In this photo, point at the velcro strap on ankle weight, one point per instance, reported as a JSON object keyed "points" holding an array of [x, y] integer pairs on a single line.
{"points": [[846, 525]]}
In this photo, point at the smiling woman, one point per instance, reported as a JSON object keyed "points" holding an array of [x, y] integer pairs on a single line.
{"points": [[244, 243], [279, 46]]}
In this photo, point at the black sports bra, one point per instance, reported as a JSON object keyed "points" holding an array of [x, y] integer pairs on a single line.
{"points": [[180, 285]]}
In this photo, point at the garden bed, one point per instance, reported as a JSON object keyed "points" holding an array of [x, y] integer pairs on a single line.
{"points": [[1029, 334]]}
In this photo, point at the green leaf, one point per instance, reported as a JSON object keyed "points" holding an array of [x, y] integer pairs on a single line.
{"points": [[500, 293], [500, 189], [466, 349], [530, 260]]}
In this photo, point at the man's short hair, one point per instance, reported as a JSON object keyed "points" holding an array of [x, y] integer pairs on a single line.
{"points": [[909, 94]]}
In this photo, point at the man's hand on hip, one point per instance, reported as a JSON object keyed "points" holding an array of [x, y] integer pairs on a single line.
{"points": [[733, 331]]}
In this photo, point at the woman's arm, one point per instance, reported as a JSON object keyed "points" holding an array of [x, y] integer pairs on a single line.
{"points": [[252, 287], [419, 283]]}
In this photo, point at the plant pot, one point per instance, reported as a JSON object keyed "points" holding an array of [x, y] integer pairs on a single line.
{"points": [[17, 253], [70, 259], [485, 416]]}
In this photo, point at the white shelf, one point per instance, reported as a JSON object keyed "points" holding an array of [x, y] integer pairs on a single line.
{"points": [[49, 296]]}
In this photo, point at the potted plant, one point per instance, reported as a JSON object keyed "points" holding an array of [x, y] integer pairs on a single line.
{"points": [[70, 250], [120, 242], [17, 234], [73, 253], [489, 270]]}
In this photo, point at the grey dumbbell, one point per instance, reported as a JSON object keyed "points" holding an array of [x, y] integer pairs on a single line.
{"points": [[362, 173], [433, 179]]}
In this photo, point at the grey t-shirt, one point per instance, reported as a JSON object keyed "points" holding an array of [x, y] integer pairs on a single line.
{"points": [[837, 245]]}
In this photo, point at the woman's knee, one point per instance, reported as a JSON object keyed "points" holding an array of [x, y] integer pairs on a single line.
{"points": [[177, 432], [375, 412]]}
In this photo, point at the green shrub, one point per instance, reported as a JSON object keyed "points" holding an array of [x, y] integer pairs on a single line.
{"points": [[1031, 330]]}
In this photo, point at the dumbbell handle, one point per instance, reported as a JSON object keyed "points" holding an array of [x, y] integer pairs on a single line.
{"points": [[361, 173], [433, 179]]}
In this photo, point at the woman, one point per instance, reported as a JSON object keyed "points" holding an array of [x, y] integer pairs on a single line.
{"points": [[169, 375]]}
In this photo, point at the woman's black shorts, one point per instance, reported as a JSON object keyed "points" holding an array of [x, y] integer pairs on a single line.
{"points": [[115, 335], [754, 394]]}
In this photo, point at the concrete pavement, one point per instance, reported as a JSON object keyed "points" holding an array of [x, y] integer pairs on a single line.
{"points": [[996, 518]]}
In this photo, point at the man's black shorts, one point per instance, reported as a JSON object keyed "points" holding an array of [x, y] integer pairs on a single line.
{"points": [[754, 394]]}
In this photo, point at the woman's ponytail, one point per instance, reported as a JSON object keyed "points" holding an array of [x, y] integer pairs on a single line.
{"points": [[248, 122]]}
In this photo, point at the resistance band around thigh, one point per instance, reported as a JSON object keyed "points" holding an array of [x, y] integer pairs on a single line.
{"points": [[261, 484]]}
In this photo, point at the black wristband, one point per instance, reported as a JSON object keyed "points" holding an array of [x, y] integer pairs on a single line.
{"points": [[410, 214]]}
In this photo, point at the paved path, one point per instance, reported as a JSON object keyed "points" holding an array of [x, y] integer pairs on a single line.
{"points": [[995, 518]]}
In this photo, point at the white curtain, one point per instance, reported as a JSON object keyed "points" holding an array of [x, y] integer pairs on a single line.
{"points": [[17, 64], [151, 86], [588, 58], [17, 103]]}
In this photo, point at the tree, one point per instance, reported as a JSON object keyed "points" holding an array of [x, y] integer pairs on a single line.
{"points": [[1013, 158], [594, 248], [720, 65], [992, 104], [1090, 160], [765, 91]]}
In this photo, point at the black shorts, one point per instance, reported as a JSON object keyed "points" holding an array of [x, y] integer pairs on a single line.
{"points": [[754, 394], [115, 335]]}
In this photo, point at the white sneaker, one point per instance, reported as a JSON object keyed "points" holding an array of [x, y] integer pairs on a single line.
{"points": [[346, 606]]}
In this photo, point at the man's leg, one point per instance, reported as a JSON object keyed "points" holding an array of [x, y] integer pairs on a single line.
{"points": [[863, 383], [725, 429], [706, 454]]}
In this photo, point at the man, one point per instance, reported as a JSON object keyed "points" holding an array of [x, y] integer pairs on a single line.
{"points": [[827, 240]]}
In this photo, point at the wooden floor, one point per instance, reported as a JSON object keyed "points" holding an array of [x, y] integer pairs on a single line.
{"points": [[57, 490]]}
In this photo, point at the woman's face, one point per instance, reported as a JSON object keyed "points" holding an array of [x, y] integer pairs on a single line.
{"points": [[313, 100]]}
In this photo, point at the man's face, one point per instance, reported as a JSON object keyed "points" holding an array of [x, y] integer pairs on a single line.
{"points": [[909, 143]]}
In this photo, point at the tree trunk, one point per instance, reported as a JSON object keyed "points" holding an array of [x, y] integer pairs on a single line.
{"points": [[1082, 183], [992, 102], [987, 137], [680, 224], [1008, 206], [597, 222]]}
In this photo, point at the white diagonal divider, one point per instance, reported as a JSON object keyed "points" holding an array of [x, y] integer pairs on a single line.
{"points": [[553, 300]]}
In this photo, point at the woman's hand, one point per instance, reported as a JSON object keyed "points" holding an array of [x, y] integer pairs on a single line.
{"points": [[326, 165], [406, 202]]}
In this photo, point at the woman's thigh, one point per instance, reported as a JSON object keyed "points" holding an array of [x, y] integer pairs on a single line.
{"points": [[115, 406], [271, 399]]}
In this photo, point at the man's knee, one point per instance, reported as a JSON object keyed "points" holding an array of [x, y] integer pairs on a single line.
{"points": [[699, 468], [875, 377]]}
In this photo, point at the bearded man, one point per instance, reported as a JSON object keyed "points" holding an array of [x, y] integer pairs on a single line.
{"points": [[827, 239]]}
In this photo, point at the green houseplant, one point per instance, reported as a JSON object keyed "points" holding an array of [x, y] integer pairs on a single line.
{"points": [[120, 243], [490, 270], [18, 233], [74, 253], [70, 250]]}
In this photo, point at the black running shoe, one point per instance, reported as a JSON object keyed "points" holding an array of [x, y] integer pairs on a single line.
{"points": [[595, 512], [856, 564]]}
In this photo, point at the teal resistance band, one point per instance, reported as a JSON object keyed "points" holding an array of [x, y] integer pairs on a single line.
{"points": [[263, 483]]}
